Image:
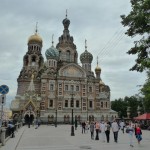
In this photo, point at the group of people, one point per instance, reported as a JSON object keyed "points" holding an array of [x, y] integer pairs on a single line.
{"points": [[104, 129]]}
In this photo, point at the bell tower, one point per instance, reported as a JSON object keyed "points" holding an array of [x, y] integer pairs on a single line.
{"points": [[66, 47], [32, 62]]}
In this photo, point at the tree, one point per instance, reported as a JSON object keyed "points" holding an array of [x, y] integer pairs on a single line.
{"points": [[138, 21], [146, 92], [120, 105]]}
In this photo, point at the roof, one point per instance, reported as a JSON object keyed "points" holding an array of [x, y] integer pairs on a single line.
{"points": [[145, 116]]}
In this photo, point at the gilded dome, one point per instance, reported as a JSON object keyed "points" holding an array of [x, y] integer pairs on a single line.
{"points": [[35, 39], [97, 69], [86, 57], [101, 82], [52, 53]]}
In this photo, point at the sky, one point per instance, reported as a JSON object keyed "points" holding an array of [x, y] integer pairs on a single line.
{"points": [[97, 21]]}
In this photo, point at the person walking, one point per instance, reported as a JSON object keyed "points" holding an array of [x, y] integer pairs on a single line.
{"points": [[138, 133], [11, 128], [130, 131], [115, 129], [102, 129], [92, 126], [107, 131], [122, 125], [36, 123], [83, 127], [76, 123], [97, 127]]}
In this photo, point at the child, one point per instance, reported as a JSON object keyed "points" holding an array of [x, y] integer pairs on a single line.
{"points": [[138, 133]]}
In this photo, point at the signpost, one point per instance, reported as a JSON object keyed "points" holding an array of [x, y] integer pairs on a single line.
{"points": [[3, 90]]}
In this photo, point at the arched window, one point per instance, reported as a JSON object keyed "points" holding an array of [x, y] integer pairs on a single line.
{"points": [[90, 89], [68, 55], [66, 103], [33, 60], [26, 61], [77, 103], [60, 54], [90, 104], [101, 104]]}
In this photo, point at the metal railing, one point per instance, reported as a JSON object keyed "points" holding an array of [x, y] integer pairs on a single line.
{"points": [[7, 132]]}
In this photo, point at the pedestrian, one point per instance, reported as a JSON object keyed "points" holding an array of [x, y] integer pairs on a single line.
{"points": [[138, 133], [115, 130], [97, 128], [83, 127], [122, 126], [86, 126], [92, 126], [130, 131], [107, 131], [11, 128], [36, 123], [102, 129], [76, 123]]}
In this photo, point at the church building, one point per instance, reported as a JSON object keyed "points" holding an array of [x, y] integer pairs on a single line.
{"points": [[54, 88]]}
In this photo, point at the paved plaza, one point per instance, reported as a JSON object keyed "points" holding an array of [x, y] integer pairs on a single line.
{"points": [[58, 138]]}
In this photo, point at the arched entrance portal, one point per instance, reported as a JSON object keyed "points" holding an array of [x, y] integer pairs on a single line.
{"points": [[29, 117]]}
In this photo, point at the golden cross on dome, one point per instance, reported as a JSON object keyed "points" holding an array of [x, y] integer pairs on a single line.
{"points": [[97, 60], [66, 13], [85, 45], [52, 39], [36, 28]]}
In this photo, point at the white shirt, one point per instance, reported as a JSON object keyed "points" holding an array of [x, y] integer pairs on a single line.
{"points": [[102, 127], [115, 127], [122, 124]]}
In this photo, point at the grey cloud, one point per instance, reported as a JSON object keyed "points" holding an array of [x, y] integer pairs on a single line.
{"points": [[94, 20]]}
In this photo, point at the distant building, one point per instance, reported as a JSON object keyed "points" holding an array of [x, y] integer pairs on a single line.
{"points": [[60, 84], [6, 114]]}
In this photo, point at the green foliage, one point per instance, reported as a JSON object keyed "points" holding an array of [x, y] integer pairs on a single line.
{"points": [[146, 92], [120, 105], [138, 21]]}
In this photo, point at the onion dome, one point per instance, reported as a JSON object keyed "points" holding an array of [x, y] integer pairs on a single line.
{"points": [[86, 57], [97, 69], [66, 22], [52, 53], [35, 38], [101, 82]]}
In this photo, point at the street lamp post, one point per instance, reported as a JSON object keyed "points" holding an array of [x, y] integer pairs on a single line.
{"points": [[56, 118], [72, 105]]}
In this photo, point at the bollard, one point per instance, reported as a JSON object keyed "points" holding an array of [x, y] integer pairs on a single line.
{"points": [[3, 133]]}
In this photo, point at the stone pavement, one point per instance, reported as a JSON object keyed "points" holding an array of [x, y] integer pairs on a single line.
{"points": [[58, 138]]}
